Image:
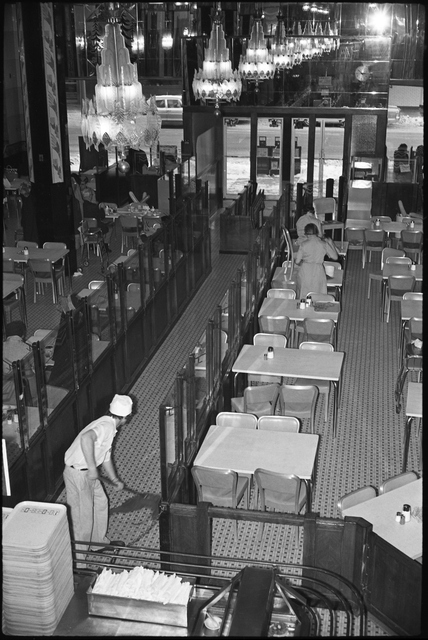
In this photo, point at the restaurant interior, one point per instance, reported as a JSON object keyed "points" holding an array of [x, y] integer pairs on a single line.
{"points": [[190, 304]]}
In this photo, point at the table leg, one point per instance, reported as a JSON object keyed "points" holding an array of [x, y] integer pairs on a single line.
{"points": [[308, 485], [407, 430], [335, 406]]}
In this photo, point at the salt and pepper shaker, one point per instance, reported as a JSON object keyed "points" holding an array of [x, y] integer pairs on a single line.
{"points": [[302, 303], [406, 512], [412, 224], [377, 223], [270, 353], [25, 251], [402, 519], [398, 517]]}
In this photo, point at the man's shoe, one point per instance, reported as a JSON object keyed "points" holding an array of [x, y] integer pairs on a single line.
{"points": [[114, 543]]}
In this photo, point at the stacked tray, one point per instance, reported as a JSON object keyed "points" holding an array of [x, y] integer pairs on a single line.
{"points": [[37, 568]]}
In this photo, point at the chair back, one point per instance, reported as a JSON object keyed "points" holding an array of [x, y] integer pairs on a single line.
{"points": [[323, 206], [356, 497], [389, 253], [411, 239], [287, 424], [381, 218], [331, 263], [398, 260], [95, 284], [355, 236], [90, 229], [415, 328], [286, 294], [214, 482], [274, 324], [54, 245], [318, 329], [375, 238], [398, 285], [235, 419], [316, 346], [270, 339], [298, 399], [397, 481], [25, 243], [129, 223], [40, 266], [130, 252], [414, 295], [321, 297], [261, 400], [133, 286], [279, 489]]}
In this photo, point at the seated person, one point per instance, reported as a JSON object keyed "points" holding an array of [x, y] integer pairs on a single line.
{"points": [[91, 209], [309, 217], [14, 348]]}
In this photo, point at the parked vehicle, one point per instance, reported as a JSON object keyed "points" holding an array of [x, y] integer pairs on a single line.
{"points": [[170, 109]]}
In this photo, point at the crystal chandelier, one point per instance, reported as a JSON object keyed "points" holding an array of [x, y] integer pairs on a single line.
{"points": [[257, 64], [216, 81], [119, 116]]}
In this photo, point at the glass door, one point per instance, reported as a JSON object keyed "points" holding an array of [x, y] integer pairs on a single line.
{"points": [[237, 135], [269, 153], [328, 154]]}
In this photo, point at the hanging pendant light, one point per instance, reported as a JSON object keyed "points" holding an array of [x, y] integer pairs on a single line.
{"points": [[216, 81], [257, 64], [119, 116]]}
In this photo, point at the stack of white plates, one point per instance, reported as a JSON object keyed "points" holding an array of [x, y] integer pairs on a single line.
{"points": [[37, 568]]}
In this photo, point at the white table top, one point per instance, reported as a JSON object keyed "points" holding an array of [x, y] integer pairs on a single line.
{"points": [[396, 227], [381, 511], [245, 450], [402, 270], [336, 281], [9, 286], [289, 308], [414, 400], [16, 253], [411, 309], [293, 363]]}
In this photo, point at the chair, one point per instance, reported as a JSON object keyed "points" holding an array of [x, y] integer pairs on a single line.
{"points": [[15, 300], [397, 286], [319, 330], [321, 297], [234, 419], [414, 295], [414, 330], [324, 206], [130, 252], [286, 294], [412, 361], [298, 401], [269, 340], [8, 265], [90, 235], [381, 218], [411, 243], [355, 497], [397, 481], [323, 386], [288, 424], [59, 265], [95, 284], [275, 324], [130, 230], [378, 275], [355, 237], [221, 488], [398, 260], [25, 243], [44, 273], [333, 263], [285, 492], [260, 400], [133, 286], [374, 241]]}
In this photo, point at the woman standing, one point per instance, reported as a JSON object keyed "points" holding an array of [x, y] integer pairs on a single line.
{"points": [[310, 256]]}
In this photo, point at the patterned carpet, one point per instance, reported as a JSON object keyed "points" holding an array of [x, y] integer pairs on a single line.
{"points": [[369, 443]]}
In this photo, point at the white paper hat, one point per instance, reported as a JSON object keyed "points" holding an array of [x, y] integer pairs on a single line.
{"points": [[121, 406]]}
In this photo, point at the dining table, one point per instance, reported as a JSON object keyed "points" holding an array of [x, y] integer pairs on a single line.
{"points": [[281, 277], [292, 363], [245, 450], [413, 410], [37, 253], [291, 309], [381, 512]]}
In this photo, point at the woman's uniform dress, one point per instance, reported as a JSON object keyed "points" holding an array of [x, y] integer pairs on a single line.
{"points": [[311, 273]]}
